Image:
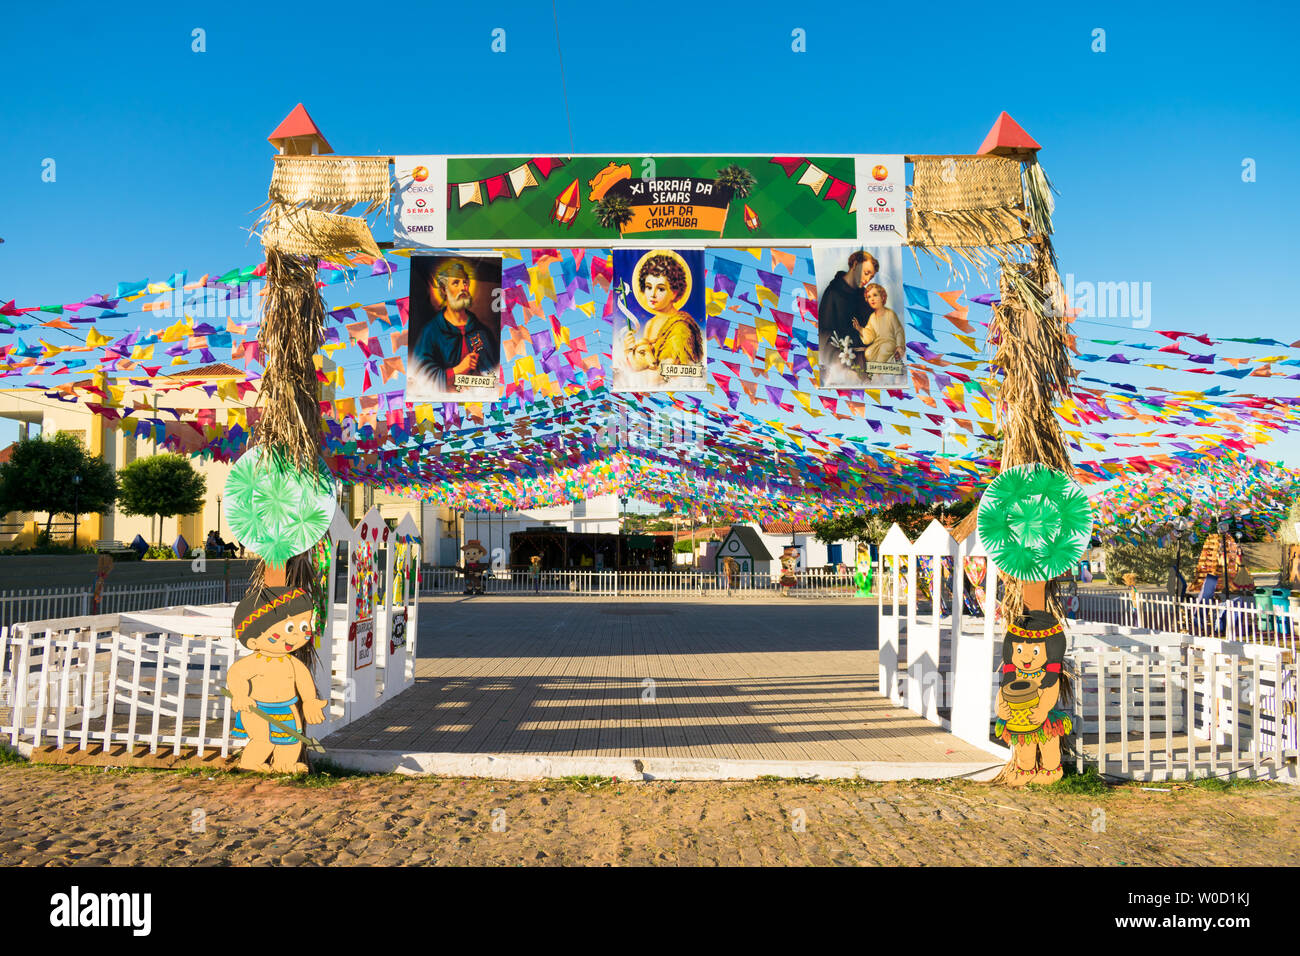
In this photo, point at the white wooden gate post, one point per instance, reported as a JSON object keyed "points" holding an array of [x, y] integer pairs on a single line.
{"points": [[362, 626], [923, 638], [894, 547], [975, 658]]}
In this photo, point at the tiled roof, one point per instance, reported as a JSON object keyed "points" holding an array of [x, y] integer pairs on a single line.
{"points": [[783, 527], [215, 370]]}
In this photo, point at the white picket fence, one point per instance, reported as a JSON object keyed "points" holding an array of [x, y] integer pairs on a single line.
{"points": [[1233, 621], [1166, 690], [104, 681], [45, 604], [91, 686], [817, 582]]}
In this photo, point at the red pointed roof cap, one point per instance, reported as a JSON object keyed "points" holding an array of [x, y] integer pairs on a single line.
{"points": [[1007, 138], [298, 123]]}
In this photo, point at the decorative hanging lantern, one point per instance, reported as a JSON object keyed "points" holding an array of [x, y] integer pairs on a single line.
{"points": [[751, 218], [567, 205]]}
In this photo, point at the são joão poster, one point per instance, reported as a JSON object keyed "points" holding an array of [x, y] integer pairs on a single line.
{"points": [[658, 329], [454, 333], [860, 337]]}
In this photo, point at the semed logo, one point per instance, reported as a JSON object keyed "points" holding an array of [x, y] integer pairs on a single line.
{"points": [[421, 228], [880, 227]]}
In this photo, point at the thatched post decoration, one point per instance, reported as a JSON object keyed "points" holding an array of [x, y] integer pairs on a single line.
{"points": [[293, 328], [1030, 335]]}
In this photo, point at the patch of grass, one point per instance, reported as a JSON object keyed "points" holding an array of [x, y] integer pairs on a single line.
{"points": [[843, 783], [8, 756], [1089, 782], [1222, 784], [585, 782], [325, 773]]}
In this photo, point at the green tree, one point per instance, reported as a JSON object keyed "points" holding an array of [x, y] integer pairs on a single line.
{"points": [[40, 474], [865, 526], [161, 486], [739, 179], [614, 212]]}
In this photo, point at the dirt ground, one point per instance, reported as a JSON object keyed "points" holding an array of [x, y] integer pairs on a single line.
{"points": [[84, 816]]}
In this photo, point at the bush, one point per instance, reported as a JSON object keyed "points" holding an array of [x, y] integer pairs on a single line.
{"points": [[159, 552], [48, 549], [1148, 561]]}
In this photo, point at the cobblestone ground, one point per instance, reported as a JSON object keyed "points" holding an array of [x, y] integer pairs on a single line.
{"points": [[82, 816]]}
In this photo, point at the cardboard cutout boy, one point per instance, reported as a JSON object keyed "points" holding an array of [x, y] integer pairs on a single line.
{"points": [[272, 623], [474, 553]]}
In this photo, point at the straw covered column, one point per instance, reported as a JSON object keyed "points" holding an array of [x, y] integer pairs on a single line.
{"points": [[293, 328], [1031, 355]]}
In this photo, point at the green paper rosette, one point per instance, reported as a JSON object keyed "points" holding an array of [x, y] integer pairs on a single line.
{"points": [[1035, 522], [277, 509]]}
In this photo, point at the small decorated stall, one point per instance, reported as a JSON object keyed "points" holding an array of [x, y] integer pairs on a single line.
{"points": [[364, 602]]}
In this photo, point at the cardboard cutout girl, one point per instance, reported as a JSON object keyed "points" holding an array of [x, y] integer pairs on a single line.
{"points": [[272, 623], [1033, 684], [862, 572]]}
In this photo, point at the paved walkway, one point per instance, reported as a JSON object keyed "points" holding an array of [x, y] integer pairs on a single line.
{"points": [[742, 680]]}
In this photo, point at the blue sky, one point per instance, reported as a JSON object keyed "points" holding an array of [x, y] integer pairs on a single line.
{"points": [[161, 155]]}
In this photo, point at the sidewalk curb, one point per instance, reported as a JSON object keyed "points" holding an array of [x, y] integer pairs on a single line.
{"points": [[529, 767]]}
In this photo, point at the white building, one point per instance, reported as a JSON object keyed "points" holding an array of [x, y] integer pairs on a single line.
{"points": [[780, 535], [599, 515]]}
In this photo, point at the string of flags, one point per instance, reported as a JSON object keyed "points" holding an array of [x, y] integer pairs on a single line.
{"points": [[557, 408]]}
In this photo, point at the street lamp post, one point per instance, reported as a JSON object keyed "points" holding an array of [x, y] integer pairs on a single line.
{"points": [[1177, 586], [218, 516], [618, 550], [76, 505], [1224, 525]]}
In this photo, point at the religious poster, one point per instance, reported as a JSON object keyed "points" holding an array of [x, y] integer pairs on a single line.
{"points": [[861, 343], [649, 201], [658, 320], [454, 333]]}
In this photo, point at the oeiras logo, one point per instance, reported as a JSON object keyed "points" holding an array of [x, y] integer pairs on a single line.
{"points": [[75, 909]]}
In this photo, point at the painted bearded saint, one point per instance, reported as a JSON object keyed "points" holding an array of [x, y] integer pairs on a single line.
{"points": [[454, 341]]}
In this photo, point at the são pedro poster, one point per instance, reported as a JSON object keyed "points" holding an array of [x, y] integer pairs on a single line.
{"points": [[649, 201], [454, 334]]}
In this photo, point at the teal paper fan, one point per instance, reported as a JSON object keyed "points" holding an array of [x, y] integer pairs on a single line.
{"points": [[1035, 522], [277, 509]]}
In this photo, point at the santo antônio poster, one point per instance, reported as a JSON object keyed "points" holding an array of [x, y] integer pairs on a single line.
{"points": [[860, 338]]}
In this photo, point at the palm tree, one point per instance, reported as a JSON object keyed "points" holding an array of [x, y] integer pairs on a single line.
{"points": [[614, 212], [739, 179]]}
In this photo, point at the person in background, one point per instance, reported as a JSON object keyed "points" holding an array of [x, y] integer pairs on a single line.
{"points": [[535, 572]]}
